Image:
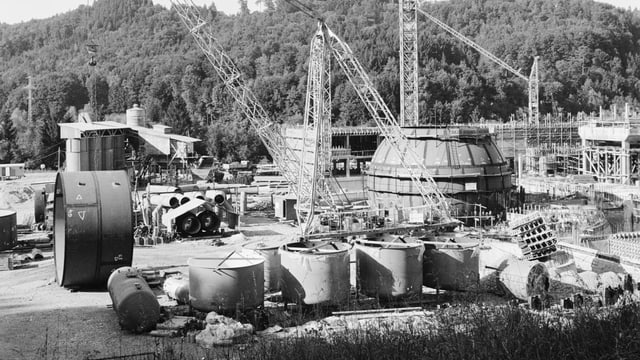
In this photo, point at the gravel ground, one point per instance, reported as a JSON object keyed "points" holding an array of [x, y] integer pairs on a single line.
{"points": [[39, 319]]}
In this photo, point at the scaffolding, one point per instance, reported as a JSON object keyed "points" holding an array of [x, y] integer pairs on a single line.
{"points": [[611, 146]]}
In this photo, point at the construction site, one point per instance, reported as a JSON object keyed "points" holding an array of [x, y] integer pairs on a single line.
{"points": [[389, 224]]}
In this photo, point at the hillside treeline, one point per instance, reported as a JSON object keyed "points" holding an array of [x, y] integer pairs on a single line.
{"points": [[589, 57]]}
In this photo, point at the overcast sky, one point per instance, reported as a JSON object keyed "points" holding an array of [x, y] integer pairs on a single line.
{"points": [[15, 11]]}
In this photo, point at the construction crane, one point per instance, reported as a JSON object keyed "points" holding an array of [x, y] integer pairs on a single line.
{"points": [[532, 80], [269, 132], [386, 122], [316, 133]]}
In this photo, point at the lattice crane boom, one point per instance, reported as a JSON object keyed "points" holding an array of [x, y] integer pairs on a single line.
{"points": [[316, 132], [531, 81], [386, 122], [269, 132], [408, 13]]}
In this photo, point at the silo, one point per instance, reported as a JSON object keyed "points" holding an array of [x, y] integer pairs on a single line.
{"points": [[135, 116]]}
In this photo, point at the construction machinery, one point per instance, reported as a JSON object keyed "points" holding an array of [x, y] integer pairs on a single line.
{"points": [[305, 173], [408, 10]]}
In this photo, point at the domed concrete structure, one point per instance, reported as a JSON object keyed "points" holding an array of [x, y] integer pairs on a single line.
{"points": [[464, 161]]}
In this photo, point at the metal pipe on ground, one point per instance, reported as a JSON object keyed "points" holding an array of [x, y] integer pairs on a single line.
{"points": [[133, 300], [166, 200]]}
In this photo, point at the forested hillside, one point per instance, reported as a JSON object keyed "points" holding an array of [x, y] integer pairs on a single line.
{"points": [[590, 57]]}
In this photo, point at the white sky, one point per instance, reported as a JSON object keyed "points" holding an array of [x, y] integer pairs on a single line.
{"points": [[23, 10]]}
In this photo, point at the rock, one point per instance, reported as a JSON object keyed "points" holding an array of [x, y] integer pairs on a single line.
{"points": [[223, 331]]}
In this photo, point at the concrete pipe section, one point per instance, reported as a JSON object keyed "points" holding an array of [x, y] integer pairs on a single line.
{"points": [[226, 281], [315, 272], [188, 224], [93, 227], [209, 221], [524, 278], [133, 300], [389, 269]]}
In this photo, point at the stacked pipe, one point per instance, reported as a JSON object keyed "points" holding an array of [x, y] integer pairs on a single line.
{"points": [[219, 198], [534, 237]]}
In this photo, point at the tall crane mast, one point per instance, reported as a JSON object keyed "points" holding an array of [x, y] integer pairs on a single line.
{"points": [[408, 62], [316, 132], [269, 132], [532, 81]]}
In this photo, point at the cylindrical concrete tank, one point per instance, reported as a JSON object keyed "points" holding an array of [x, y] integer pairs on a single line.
{"points": [[93, 228], [225, 281], [272, 264], [136, 116], [188, 224], [315, 272], [209, 221], [135, 303], [389, 269], [524, 278], [39, 204], [8, 230]]}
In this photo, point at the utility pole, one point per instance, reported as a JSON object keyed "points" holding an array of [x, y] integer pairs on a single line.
{"points": [[30, 88]]}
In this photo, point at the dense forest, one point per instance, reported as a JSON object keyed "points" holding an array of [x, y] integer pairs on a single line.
{"points": [[589, 57]]}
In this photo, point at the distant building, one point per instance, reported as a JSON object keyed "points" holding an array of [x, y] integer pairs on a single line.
{"points": [[8, 171], [109, 145]]}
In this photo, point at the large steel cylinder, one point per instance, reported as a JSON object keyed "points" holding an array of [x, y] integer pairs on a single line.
{"points": [[93, 227], [315, 273], [133, 300], [524, 278], [8, 229], [209, 221], [225, 281], [389, 269], [188, 224]]}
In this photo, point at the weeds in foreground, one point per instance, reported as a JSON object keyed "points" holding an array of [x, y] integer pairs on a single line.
{"points": [[461, 332]]}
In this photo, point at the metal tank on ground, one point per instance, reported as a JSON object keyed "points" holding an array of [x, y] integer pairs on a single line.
{"points": [[315, 273], [464, 161], [224, 281], [133, 300], [389, 268], [272, 263]]}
